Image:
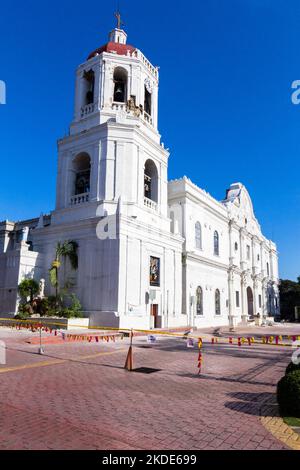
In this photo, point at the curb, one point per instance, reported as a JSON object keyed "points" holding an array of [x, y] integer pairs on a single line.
{"points": [[272, 421]]}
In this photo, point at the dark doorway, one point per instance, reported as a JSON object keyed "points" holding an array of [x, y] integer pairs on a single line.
{"points": [[250, 301], [154, 314]]}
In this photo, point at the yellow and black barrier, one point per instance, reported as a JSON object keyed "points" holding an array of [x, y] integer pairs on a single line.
{"points": [[50, 327]]}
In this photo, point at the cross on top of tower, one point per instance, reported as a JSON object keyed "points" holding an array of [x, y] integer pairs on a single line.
{"points": [[119, 21]]}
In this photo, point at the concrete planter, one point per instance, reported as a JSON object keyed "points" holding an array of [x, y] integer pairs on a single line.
{"points": [[64, 323]]}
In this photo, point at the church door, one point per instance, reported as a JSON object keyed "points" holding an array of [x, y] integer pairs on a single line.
{"points": [[250, 301], [154, 313]]}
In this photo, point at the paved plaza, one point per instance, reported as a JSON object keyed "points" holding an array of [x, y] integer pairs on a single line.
{"points": [[78, 395]]}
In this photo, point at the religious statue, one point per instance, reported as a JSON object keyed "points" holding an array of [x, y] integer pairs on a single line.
{"points": [[25, 233], [154, 271], [42, 288], [131, 106]]}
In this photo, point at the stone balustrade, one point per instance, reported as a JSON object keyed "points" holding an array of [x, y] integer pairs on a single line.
{"points": [[148, 118], [150, 204], [79, 199], [119, 107], [88, 109]]}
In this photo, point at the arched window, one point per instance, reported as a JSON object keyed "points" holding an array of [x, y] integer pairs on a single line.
{"points": [[198, 236], [150, 181], [270, 304], [89, 85], [148, 102], [216, 243], [217, 302], [199, 301], [82, 169], [120, 85]]}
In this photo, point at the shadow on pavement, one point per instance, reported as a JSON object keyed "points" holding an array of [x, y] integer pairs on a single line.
{"points": [[253, 404]]}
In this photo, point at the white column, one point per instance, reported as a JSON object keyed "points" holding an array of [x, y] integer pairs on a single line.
{"points": [[244, 295], [155, 107], [97, 85], [261, 258], [231, 295], [70, 175], [120, 151], [107, 91], [253, 255], [102, 88], [110, 170], [140, 177], [254, 297], [78, 96], [263, 299], [95, 172], [230, 240], [242, 246]]}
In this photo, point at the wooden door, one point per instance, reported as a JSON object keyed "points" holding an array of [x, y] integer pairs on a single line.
{"points": [[154, 313]]}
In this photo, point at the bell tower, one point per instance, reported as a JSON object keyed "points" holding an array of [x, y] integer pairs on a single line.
{"points": [[113, 148], [112, 167], [115, 77]]}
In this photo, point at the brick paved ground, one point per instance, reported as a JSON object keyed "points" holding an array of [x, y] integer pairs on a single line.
{"points": [[78, 396]]}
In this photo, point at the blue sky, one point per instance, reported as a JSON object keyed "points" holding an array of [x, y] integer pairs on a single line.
{"points": [[225, 107]]}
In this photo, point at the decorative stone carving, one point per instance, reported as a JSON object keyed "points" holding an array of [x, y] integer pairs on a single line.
{"points": [[244, 278], [148, 85], [131, 107], [231, 275]]}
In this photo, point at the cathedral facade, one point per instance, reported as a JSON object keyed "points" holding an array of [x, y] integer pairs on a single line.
{"points": [[152, 253]]}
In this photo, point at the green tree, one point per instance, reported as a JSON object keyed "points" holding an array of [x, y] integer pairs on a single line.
{"points": [[28, 288], [64, 250], [289, 297]]}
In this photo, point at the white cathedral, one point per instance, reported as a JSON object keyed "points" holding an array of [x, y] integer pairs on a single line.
{"points": [[152, 253]]}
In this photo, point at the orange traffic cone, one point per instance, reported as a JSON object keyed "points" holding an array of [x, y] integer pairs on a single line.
{"points": [[129, 359]]}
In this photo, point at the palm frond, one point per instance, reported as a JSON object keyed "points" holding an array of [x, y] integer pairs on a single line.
{"points": [[53, 277], [69, 250]]}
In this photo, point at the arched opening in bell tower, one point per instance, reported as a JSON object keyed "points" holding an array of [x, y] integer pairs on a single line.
{"points": [[89, 85], [120, 85], [148, 102], [151, 181], [82, 169]]}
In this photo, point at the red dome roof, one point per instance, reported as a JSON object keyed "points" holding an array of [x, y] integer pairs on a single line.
{"points": [[113, 47]]}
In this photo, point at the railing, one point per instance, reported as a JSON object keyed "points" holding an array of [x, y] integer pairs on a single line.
{"points": [[136, 112], [150, 67], [150, 204], [119, 107], [148, 118], [88, 109], [80, 199]]}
